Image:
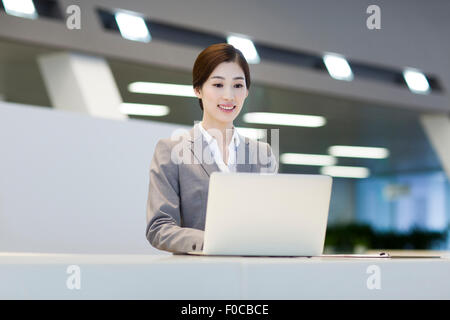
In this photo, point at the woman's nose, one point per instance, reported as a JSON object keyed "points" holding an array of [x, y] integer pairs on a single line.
{"points": [[228, 94]]}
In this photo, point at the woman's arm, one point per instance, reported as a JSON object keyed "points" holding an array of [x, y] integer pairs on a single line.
{"points": [[163, 206]]}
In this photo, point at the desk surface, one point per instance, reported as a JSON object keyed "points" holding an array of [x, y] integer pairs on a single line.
{"points": [[46, 276]]}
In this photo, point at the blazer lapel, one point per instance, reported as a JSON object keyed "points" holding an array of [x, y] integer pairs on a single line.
{"points": [[198, 145], [243, 155]]}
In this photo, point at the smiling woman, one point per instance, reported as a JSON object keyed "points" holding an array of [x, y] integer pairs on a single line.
{"points": [[212, 57], [178, 189], [225, 90], [221, 81]]}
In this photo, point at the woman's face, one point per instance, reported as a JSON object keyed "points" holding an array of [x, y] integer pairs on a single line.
{"points": [[223, 94]]}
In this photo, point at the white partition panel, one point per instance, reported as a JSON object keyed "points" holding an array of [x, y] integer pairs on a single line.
{"points": [[437, 128], [73, 183]]}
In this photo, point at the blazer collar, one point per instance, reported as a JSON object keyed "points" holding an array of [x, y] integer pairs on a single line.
{"points": [[198, 144], [235, 138]]}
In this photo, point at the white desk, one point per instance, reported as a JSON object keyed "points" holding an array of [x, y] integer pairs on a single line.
{"points": [[44, 276]]}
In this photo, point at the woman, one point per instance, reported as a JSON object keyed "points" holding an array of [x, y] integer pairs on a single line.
{"points": [[178, 189]]}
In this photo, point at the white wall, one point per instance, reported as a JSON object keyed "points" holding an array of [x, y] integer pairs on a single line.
{"points": [[73, 183]]}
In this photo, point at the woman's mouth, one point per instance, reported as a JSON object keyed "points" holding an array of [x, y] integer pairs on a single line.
{"points": [[226, 108]]}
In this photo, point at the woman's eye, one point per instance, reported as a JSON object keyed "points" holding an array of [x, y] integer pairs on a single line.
{"points": [[219, 85]]}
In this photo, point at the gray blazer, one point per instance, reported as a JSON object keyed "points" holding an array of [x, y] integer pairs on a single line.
{"points": [[178, 187]]}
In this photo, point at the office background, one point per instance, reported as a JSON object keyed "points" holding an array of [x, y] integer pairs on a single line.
{"points": [[74, 169]]}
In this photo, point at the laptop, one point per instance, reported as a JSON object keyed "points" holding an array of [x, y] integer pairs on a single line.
{"points": [[263, 214]]}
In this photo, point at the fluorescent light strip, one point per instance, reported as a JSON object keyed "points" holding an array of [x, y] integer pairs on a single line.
{"points": [[338, 67], [284, 119], [307, 159], [345, 172], [252, 133], [138, 109], [417, 82], [247, 48], [20, 8], [168, 89], [132, 26], [358, 152]]}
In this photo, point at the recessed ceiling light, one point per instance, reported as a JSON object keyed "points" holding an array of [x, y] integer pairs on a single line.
{"points": [[345, 172], [162, 89], [247, 48], [417, 82], [20, 8], [358, 152], [132, 26], [338, 67], [307, 159], [284, 119], [139, 109]]}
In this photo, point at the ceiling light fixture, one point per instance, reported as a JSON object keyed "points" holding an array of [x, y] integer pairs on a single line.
{"points": [[139, 109], [338, 67], [284, 119], [307, 159], [346, 172], [168, 89], [417, 82], [358, 152], [132, 26], [247, 48], [20, 8]]}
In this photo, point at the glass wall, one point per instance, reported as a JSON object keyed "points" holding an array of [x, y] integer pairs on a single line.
{"points": [[407, 204]]}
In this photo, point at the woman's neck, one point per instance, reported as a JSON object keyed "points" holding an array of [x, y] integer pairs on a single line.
{"points": [[223, 139]]}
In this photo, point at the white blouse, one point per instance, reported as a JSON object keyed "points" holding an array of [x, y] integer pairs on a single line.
{"points": [[217, 154]]}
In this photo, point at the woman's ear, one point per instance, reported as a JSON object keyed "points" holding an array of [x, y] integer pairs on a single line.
{"points": [[198, 92], [246, 94]]}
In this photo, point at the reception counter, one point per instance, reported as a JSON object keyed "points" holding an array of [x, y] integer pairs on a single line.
{"points": [[76, 276]]}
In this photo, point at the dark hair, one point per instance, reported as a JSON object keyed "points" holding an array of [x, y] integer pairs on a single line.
{"points": [[211, 57]]}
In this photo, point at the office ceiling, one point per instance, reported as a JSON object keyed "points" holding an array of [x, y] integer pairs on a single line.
{"points": [[349, 121]]}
